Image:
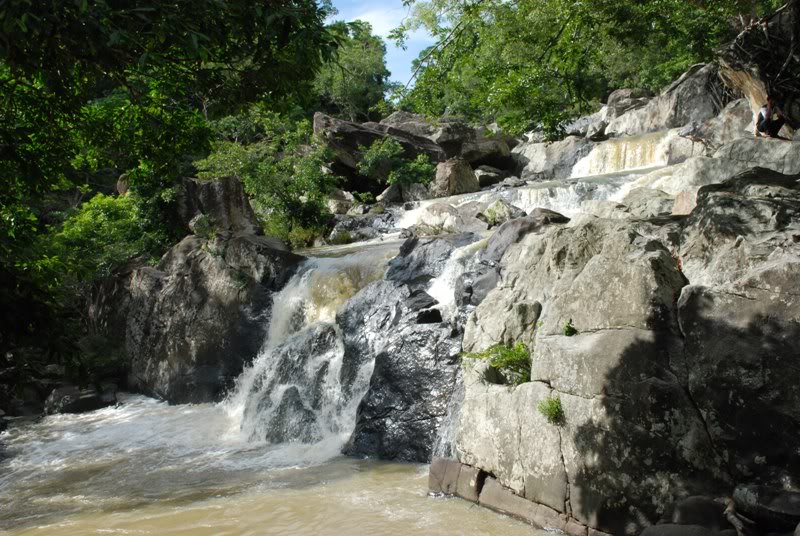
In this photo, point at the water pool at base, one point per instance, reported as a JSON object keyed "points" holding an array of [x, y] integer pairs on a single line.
{"points": [[147, 468]]}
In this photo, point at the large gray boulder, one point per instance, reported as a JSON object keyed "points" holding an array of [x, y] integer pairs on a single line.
{"points": [[685, 179], [613, 377], [671, 345], [346, 139], [689, 99], [194, 320], [222, 203], [456, 138], [188, 325], [454, 176], [550, 160]]}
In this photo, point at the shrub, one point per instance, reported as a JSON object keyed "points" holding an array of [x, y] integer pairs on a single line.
{"points": [[569, 329], [100, 235], [282, 169], [552, 410], [384, 162], [514, 362]]}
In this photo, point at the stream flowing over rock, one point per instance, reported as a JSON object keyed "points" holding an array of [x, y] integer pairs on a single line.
{"points": [[650, 263]]}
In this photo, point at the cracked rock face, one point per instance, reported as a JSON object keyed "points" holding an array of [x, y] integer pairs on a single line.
{"points": [[683, 360]]}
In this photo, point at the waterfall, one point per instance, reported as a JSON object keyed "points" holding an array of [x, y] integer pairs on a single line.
{"points": [[628, 153], [300, 389]]}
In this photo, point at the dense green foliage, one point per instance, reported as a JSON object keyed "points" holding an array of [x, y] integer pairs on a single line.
{"points": [[94, 91], [282, 169], [354, 86], [383, 161], [530, 62], [514, 362]]}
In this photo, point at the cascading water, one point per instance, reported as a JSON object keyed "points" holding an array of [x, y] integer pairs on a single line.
{"points": [[299, 388], [263, 456]]}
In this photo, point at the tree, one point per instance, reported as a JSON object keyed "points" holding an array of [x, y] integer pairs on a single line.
{"points": [[530, 62], [93, 89], [357, 81]]}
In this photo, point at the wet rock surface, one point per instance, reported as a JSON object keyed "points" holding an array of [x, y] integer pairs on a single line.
{"points": [[71, 399], [416, 354]]}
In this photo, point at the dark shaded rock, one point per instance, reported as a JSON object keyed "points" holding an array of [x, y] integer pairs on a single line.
{"points": [[771, 508], [189, 325], [699, 510], [419, 300], [70, 399], [416, 366], [473, 287], [222, 202], [679, 530], [489, 176], [429, 316], [422, 259]]}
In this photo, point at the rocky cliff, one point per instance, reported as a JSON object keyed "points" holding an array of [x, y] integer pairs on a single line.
{"points": [[189, 324]]}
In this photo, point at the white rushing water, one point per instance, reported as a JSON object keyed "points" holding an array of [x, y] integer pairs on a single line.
{"points": [[295, 390]]}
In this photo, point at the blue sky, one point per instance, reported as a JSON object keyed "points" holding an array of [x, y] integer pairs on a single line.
{"points": [[384, 15]]}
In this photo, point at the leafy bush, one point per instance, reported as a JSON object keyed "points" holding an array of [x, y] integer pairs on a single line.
{"points": [[283, 171], [101, 234], [514, 362], [384, 162], [552, 410]]}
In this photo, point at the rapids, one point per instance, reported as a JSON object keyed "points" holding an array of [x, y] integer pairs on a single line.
{"points": [[266, 460]]}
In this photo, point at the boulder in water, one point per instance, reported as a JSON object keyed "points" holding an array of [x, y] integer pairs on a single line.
{"points": [[454, 177], [71, 399], [500, 212]]}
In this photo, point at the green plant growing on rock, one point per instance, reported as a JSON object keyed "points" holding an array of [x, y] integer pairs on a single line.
{"points": [[552, 410], [384, 162], [514, 362], [569, 329]]}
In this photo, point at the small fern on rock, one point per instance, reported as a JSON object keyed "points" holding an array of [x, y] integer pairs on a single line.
{"points": [[514, 362], [569, 329]]}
